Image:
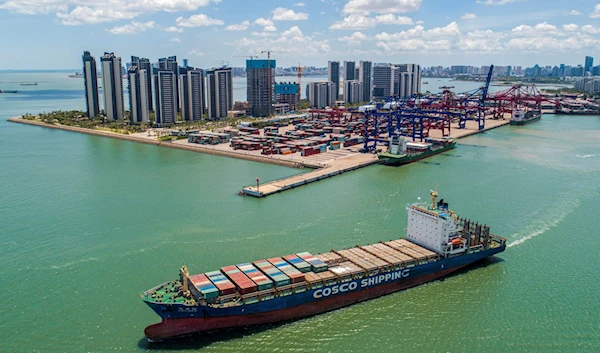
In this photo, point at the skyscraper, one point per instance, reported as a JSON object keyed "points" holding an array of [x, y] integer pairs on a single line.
{"points": [[589, 63], [321, 94], [165, 85], [352, 91], [219, 89], [144, 64], [349, 67], [365, 77], [112, 86], [192, 93], [258, 87], [333, 73], [384, 77], [170, 64], [408, 80], [138, 95], [90, 81]]}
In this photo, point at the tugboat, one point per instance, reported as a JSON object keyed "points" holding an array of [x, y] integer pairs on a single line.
{"points": [[402, 152], [520, 117]]}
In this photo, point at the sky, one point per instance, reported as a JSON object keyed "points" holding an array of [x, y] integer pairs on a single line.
{"points": [[52, 34]]}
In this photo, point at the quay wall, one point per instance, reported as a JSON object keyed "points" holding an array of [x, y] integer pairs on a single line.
{"points": [[168, 144]]}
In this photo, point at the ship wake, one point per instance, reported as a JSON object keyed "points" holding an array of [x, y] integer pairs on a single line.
{"points": [[541, 226]]}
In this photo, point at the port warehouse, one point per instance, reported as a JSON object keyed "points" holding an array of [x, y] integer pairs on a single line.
{"points": [[279, 276]]}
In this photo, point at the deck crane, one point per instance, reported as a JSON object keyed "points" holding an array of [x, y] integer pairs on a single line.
{"points": [[299, 70]]}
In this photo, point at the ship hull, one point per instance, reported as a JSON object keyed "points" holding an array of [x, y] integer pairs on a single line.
{"points": [[308, 304], [398, 161], [525, 121]]}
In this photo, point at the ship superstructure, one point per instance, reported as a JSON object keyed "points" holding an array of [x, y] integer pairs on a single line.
{"points": [[437, 243]]}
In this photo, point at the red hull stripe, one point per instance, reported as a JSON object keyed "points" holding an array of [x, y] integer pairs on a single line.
{"points": [[169, 328]]}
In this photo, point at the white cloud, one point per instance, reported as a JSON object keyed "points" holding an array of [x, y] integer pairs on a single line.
{"points": [[365, 7], [542, 38], [270, 29], [495, 2], [78, 12], [356, 22], [242, 26], [540, 28], [196, 52], [172, 29], [596, 12], [198, 20], [299, 4], [468, 16], [283, 14], [353, 39], [263, 22], [575, 13], [263, 34], [176, 39], [289, 42], [589, 29], [132, 28]]}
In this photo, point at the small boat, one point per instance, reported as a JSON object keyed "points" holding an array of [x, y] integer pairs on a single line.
{"points": [[425, 83], [446, 87], [29, 84], [7, 91]]}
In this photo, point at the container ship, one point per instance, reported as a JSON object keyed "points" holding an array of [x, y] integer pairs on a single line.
{"points": [[437, 243], [520, 117], [402, 152]]}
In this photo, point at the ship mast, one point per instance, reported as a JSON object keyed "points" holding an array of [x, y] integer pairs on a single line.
{"points": [[434, 195]]}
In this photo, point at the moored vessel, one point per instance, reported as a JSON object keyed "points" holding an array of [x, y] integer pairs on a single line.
{"points": [[520, 117], [437, 243], [402, 152]]}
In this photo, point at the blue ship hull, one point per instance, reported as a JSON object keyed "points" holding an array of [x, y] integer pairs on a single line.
{"points": [[181, 319]]}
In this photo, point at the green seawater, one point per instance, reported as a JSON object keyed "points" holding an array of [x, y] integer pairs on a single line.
{"points": [[87, 223]]}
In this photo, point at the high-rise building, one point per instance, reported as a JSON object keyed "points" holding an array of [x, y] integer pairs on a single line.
{"points": [[185, 63], [321, 94], [90, 81], [138, 95], [365, 76], [349, 67], [384, 78], [589, 63], [219, 87], [144, 64], [352, 91], [408, 80], [259, 81], [192, 93], [165, 85], [287, 93], [112, 86], [170, 64], [333, 73]]}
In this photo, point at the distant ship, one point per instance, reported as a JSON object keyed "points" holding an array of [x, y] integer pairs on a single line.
{"points": [[29, 84], [402, 152], [520, 117], [446, 87], [77, 75], [8, 91], [437, 244], [425, 83]]}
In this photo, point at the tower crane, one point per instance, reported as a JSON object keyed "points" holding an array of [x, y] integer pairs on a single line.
{"points": [[299, 70]]}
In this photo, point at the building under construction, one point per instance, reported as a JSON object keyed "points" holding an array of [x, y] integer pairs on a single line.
{"points": [[260, 74]]}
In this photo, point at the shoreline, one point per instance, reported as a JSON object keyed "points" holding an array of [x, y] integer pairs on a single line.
{"points": [[168, 144]]}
